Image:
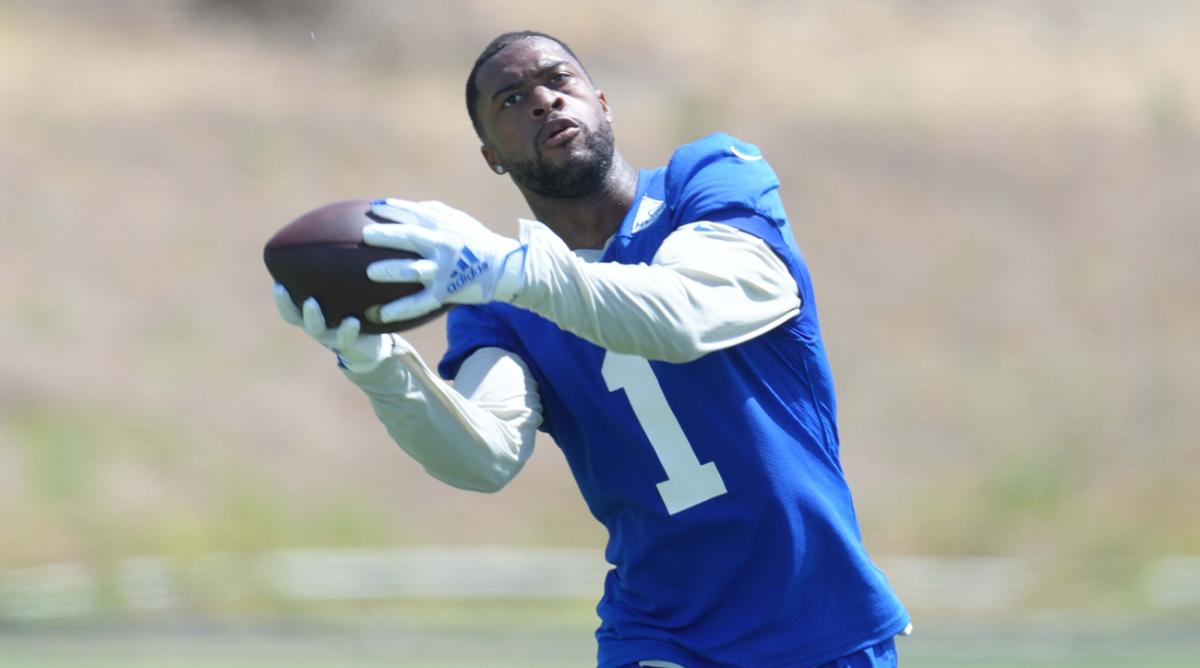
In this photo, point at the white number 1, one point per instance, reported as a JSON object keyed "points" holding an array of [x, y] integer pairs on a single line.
{"points": [[688, 481]]}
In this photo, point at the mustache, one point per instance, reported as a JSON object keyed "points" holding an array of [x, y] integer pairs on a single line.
{"points": [[544, 134]]}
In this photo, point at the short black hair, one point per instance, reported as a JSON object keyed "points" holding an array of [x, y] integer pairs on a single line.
{"points": [[496, 46]]}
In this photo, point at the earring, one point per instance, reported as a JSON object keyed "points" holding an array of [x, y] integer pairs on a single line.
{"points": [[499, 169]]}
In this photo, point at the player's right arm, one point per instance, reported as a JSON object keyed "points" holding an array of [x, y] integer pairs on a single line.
{"points": [[475, 435]]}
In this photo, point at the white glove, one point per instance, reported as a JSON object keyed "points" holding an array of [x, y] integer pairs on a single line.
{"points": [[462, 262], [357, 353]]}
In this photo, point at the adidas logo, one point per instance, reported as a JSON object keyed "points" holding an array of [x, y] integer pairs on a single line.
{"points": [[467, 268]]}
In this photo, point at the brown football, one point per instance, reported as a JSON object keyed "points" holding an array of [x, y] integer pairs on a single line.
{"points": [[321, 254]]}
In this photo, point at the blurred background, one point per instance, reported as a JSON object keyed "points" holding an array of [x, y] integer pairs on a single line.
{"points": [[1000, 204]]}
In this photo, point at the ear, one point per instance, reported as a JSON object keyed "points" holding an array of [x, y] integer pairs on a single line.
{"points": [[604, 104], [489, 156]]}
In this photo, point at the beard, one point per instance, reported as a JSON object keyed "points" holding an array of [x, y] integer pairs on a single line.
{"points": [[581, 175]]}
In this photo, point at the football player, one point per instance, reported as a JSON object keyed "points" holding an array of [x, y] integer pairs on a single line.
{"points": [[660, 325]]}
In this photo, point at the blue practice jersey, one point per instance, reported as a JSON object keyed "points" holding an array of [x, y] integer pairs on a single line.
{"points": [[731, 528]]}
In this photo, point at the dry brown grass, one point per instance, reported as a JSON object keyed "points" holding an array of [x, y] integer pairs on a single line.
{"points": [[999, 204]]}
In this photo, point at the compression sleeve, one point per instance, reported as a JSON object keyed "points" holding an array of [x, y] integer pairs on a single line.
{"points": [[475, 435], [710, 286]]}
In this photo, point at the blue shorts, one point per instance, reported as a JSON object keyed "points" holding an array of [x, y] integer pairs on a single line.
{"points": [[882, 655]]}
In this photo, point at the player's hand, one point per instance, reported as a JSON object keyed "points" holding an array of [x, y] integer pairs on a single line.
{"points": [[462, 262], [356, 352]]}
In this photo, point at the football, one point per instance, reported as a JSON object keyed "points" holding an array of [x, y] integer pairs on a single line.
{"points": [[321, 254]]}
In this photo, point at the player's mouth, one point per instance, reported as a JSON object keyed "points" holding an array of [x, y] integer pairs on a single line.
{"points": [[558, 132]]}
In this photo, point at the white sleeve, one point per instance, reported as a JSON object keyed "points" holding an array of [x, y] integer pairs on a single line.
{"points": [[475, 435], [710, 286]]}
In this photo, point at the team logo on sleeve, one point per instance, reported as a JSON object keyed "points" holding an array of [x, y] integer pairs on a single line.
{"points": [[648, 208]]}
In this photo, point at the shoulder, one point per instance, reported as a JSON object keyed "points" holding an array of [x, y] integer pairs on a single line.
{"points": [[717, 173]]}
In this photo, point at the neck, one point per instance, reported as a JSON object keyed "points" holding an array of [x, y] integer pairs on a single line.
{"points": [[588, 221]]}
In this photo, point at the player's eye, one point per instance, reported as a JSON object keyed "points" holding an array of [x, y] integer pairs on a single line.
{"points": [[560, 77], [510, 100]]}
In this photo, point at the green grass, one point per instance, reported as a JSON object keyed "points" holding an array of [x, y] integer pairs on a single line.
{"points": [[454, 637]]}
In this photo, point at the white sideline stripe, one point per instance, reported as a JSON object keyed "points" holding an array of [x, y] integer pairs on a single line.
{"points": [[965, 583], [434, 572], [1175, 582], [149, 585], [55, 591]]}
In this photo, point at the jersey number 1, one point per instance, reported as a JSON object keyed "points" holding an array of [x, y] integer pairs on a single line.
{"points": [[688, 481]]}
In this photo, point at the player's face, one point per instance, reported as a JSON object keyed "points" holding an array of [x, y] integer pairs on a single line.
{"points": [[543, 120]]}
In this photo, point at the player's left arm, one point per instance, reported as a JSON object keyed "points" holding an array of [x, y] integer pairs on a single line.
{"points": [[710, 286]]}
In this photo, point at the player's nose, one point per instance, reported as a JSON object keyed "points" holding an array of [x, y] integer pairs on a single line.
{"points": [[545, 100]]}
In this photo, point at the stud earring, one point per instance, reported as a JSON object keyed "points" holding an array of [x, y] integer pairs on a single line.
{"points": [[499, 169]]}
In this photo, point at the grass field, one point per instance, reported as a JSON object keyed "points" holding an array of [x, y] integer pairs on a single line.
{"points": [[475, 636], [998, 201], [463, 648]]}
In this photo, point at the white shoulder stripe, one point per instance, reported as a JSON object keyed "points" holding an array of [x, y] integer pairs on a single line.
{"points": [[748, 157]]}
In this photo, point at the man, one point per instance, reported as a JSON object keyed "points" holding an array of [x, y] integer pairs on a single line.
{"points": [[660, 326]]}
